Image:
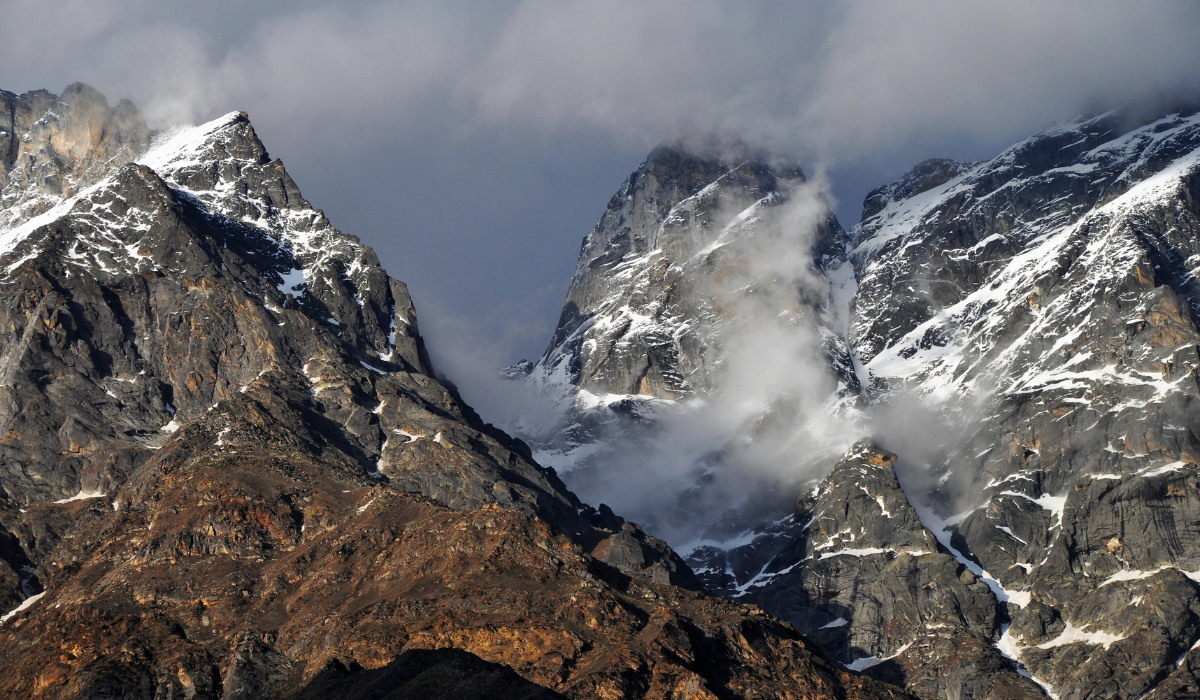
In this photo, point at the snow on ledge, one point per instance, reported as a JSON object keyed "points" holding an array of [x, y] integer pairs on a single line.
{"points": [[1072, 634], [23, 606], [83, 496], [868, 661]]}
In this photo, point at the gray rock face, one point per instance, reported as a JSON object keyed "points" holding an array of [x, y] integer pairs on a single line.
{"points": [[859, 574], [623, 545], [1042, 308]]}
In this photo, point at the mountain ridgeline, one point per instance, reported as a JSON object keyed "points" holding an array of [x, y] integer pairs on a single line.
{"points": [[229, 471], [949, 453], [1020, 334]]}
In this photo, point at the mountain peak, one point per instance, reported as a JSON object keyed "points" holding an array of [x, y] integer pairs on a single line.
{"points": [[53, 146], [220, 431]]}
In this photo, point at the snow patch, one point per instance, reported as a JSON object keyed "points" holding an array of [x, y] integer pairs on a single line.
{"points": [[82, 496], [866, 662], [25, 605], [1072, 634]]}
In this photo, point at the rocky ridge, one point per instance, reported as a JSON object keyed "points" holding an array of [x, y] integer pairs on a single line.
{"points": [[693, 252], [229, 471], [1039, 312]]}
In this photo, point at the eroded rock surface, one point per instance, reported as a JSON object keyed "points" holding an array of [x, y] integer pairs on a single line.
{"points": [[228, 471], [1037, 314]]}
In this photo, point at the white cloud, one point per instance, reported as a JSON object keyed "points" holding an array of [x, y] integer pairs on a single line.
{"points": [[836, 80]]}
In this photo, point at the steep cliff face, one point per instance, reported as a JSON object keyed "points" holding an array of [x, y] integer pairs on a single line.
{"points": [[658, 277], [229, 472], [1054, 285], [1023, 333], [700, 248]]}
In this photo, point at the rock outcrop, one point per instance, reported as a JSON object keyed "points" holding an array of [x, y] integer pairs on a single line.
{"points": [[227, 470], [652, 293], [858, 573], [1035, 316]]}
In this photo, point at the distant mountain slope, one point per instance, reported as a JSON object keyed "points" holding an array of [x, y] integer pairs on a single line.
{"points": [[645, 310], [708, 267], [228, 470], [1022, 332]]}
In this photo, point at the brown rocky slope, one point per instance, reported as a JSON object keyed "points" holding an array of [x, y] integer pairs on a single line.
{"points": [[227, 466]]}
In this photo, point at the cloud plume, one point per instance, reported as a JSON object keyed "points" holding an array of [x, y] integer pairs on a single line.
{"points": [[473, 144]]}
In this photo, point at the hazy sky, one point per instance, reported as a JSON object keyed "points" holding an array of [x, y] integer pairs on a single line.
{"points": [[474, 144]]}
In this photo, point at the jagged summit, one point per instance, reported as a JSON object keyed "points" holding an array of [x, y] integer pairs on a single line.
{"points": [[645, 268], [52, 146], [1022, 332]]}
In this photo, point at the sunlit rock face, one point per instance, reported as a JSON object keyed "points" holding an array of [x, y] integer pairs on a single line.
{"points": [[228, 470]]}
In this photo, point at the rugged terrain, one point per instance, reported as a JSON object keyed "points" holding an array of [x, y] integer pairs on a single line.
{"points": [[708, 254], [1022, 333], [229, 471], [647, 305]]}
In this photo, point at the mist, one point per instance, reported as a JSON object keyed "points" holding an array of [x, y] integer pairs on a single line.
{"points": [[474, 144], [767, 419]]}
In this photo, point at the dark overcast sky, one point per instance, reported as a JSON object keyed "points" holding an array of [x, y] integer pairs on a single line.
{"points": [[475, 144]]}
